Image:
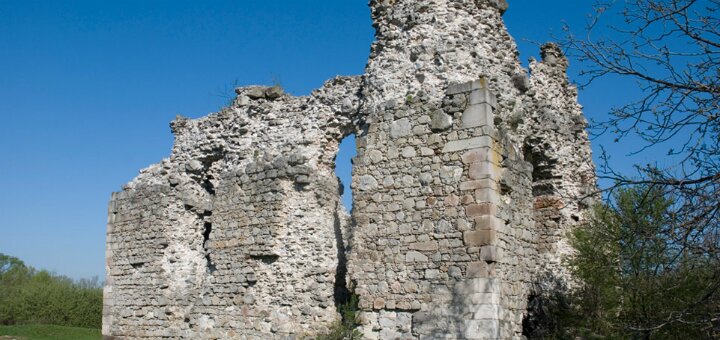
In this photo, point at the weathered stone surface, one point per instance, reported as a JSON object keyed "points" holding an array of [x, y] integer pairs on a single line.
{"points": [[521, 82], [467, 86], [483, 96], [274, 92], [400, 128], [450, 174], [480, 155], [375, 156], [478, 269], [479, 184], [480, 237], [478, 285], [414, 256], [489, 222], [464, 189], [473, 210], [490, 253], [193, 165], [501, 5], [254, 92], [212, 240], [487, 311], [487, 195], [440, 120], [482, 329], [424, 246], [477, 115], [366, 183], [466, 144]]}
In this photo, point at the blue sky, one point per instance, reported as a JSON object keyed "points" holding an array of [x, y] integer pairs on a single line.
{"points": [[87, 89]]}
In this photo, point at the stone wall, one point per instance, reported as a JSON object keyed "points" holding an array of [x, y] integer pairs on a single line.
{"points": [[238, 232], [429, 238], [469, 173]]}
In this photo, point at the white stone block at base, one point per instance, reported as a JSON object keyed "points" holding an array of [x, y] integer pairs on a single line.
{"points": [[482, 285], [482, 329], [484, 298], [488, 312]]}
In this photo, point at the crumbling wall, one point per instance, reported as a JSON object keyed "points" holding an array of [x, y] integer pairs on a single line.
{"points": [[236, 233], [428, 250], [453, 233], [469, 173]]}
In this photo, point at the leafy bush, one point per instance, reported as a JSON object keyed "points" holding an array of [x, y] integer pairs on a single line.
{"points": [[640, 279], [344, 328], [29, 296]]}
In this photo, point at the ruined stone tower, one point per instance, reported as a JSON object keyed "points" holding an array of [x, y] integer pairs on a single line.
{"points": [[468, 175]]}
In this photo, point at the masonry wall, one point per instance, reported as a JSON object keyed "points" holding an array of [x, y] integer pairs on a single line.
{"points": [[429, 244], [470, 171], [470, 174], [238, 233]]}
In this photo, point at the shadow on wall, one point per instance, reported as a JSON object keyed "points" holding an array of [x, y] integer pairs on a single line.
{"points": [[343, 222], [547, 306]]}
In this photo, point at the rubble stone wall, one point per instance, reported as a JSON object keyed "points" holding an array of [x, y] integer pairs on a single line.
{"points": [[469, 173], [428, 253], [238, 233]]}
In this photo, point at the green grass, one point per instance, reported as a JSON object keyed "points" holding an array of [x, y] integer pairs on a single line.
{"points": [[48, 332]]}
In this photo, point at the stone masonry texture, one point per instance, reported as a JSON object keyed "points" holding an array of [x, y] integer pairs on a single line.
{"points": [[470, 172]]}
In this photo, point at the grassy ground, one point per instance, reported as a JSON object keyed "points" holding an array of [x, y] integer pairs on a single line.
{"points": [[48, 332]]}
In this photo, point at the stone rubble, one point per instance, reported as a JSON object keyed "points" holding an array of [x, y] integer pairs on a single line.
{"points": [[468, 176]]}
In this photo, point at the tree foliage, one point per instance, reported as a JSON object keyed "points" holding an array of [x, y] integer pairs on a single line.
{"points": [[29, 296], [637, 281], [671, 50], [655, 266], [345, 327]]}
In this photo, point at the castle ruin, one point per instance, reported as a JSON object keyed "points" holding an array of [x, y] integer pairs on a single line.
{"points": [[469, 173]]}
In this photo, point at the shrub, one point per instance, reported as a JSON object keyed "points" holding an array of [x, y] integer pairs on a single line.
{"points": [[640, 278], [29, 296], [344, 328]]}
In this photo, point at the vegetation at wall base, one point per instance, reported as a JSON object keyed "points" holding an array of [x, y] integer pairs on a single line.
{"points": [[49, 332], [344, 328], [29, 296]]}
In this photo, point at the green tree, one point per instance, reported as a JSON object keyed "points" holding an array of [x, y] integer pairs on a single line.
{"points": [[638, 282], [28, 296], [344, 328], [13, 275], [671, 50], [651, 257]]}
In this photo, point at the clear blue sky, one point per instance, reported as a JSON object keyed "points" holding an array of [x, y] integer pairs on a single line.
{"points": [[87, 89]]}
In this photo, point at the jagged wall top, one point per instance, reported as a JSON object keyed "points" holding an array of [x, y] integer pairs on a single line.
{"points": [[464, 192], [425, 45]]}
